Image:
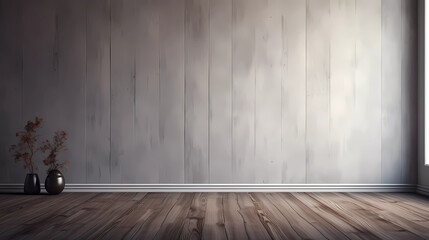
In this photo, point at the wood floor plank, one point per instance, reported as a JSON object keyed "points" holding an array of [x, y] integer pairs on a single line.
{"points": [[363, 217], [214, 220], [136, 223], [173, 223], [28, 214], [36, 219], [151, 221], [300, 225], [408, 211], [412, 197], [27, 208], [215, 216], [99, 217], [390, 213], [325, 228], [413, 202], [254, 227], [339, 221], [193, 225], [125, 207], [55, 206], [63, 222], [234, 222], [277, 226], [133, 216], [6, 201]]}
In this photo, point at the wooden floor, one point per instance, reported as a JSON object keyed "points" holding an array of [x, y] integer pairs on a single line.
{"points": [[215, 216]]}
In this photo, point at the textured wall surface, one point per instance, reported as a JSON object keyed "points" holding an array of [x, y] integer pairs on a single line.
{"points": [[215, 91], [423, 170]]}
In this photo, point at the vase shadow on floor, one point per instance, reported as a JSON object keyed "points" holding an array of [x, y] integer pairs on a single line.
{"points": [[19, 193]]}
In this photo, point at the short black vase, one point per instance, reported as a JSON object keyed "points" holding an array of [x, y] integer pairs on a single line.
{"points": [[32, 184], [54, 183]]}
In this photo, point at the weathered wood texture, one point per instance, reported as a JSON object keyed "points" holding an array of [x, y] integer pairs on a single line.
{"points": [[220, 92], [423, 171], [293, 95], [342, 85], [196, 91], [215, 91], [243, 91], [320, 167], [368, 108], [147, 138], [391, 95], [11, 84], [172, 91], [409, 90], [123, 25], [70, 93], [268, 91], [215, 216], [97, 92]]}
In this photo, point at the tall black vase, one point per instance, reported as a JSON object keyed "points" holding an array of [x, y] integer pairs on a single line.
{"points": [[32, 184], [54, 183]]}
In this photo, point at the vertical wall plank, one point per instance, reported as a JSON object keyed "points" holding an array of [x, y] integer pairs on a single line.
{"points": [[41, 84], [243, 102], [367, 120], [123, 79], [196, 90], [220, 87], [11, 64], [342, 65], [97, 91], [293, 95], [409, 90], [70, 116], [320, 168], [268, 37], [422, 171], [146, 169], [171, 91], [391, 129]]}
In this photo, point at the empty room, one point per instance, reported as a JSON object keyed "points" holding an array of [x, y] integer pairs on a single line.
{"points": [[214, 119]]}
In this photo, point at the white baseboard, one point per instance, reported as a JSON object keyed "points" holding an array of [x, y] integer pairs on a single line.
{"points": [[424, 190], [226, 188]]}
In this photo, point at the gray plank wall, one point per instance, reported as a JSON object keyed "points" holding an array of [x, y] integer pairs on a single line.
{"points": [[423, 169], [215, 91]]}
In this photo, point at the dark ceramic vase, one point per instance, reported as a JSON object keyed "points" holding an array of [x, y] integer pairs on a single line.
{"points": [[32, 184], [54, 183]]}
